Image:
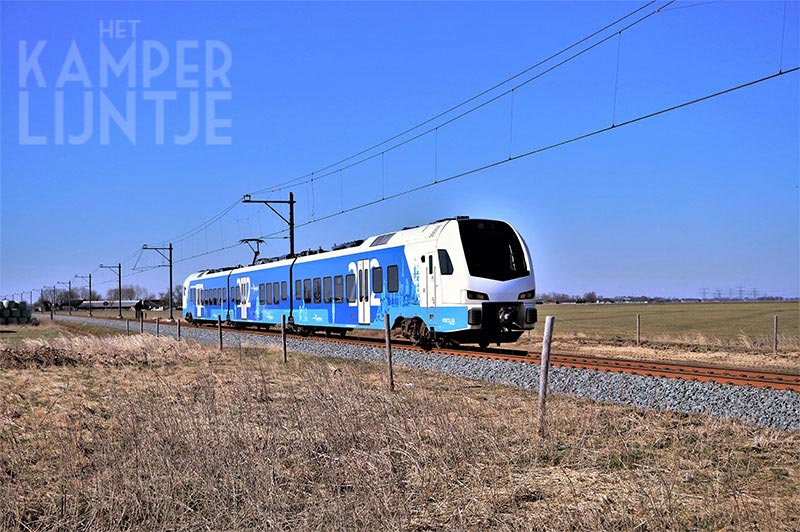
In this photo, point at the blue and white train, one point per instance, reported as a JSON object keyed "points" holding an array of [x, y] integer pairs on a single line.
{"points": [[457, 280]]}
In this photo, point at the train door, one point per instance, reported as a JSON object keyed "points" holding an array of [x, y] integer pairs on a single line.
{"points": [[198, 299], [430, 283], [363, 282]]}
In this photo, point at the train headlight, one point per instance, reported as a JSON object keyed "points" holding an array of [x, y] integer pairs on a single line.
{"points": [[530, 294], [477, 295], [474, 316]]}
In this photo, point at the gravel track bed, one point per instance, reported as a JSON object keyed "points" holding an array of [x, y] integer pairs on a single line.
{"points": [[763, 407]]}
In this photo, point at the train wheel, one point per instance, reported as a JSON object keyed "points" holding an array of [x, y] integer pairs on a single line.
{"points": [[443, 342], [343, 333], [328, 333], [417, 331]]}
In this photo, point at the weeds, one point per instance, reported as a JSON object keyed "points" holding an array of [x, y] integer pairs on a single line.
{"points": [[140, 433]]}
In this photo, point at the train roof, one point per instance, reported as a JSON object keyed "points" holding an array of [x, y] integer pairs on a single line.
{"points": [[405, 236]]}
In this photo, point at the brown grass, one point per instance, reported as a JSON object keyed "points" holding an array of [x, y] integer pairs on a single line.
{"points": [[147, 434]]}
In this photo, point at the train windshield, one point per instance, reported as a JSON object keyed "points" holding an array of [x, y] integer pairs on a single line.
{"points": [[492, 250]]}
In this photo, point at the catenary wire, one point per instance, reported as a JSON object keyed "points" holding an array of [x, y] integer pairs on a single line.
{"points": [[337, 168], [519, 156]]}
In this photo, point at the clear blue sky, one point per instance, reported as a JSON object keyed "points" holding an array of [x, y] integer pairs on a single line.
{"points": [[705, 196]]}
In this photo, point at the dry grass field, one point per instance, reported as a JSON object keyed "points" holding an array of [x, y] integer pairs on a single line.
{"points": [[722, 333], [107, 432]]}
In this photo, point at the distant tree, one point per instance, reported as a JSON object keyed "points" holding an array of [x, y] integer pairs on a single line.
{"points": [[83, 293], [129, 292], [113, 293], [590, 297], [177, 295]]}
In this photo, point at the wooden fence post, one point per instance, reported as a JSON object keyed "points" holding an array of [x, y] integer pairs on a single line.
{"points": [[390, 369], [638, 329], [546, 340], [283, 338], [158, 327], [219, 328], [179, 329], [775, 335], [141, 324], [127, 326]]}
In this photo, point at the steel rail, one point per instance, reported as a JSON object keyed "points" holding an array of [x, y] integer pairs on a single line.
{"points": [[737, 376]]}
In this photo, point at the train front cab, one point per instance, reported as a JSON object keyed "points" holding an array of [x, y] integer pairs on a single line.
{"points": [[491, 275]]}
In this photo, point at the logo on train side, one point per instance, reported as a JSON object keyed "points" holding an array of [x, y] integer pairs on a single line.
{"points": [[244, 294]]}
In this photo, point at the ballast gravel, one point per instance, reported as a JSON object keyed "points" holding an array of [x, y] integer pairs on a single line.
{"points": [[759, 406]]}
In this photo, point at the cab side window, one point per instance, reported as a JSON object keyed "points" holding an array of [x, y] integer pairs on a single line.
{"points": [[445, 264]]}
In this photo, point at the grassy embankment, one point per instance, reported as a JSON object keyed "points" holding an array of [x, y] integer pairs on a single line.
{"points": [[738, 333], [115, 432]]}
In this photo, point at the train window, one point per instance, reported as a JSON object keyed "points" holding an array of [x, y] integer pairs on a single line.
{"points": [[383, 239], [430, 264], [377, 280], [351, 287], [276, 292], [317, 290], [298, 289], [492, 250], [224, 292], [268, 294], [283, 290], [261, 294], [422, 258], [307, 290], [327, 289], [361, 284], [214, 299], [392, 279], [445, 264], [338, 289], [237, 290]]}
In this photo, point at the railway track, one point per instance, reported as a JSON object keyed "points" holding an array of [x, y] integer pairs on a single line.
{"points": [[675, 370]]}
